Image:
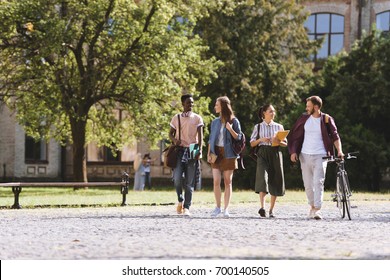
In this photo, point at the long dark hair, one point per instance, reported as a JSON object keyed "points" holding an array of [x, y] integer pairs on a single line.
{"points": [[262, 110], [227, 114]]}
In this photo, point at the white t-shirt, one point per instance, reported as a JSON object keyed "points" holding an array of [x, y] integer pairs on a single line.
{"points": [[220, 141], [313, 143]]}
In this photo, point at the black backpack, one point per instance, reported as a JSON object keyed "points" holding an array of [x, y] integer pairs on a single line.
{"points": [[239, 145], [238, 148]]}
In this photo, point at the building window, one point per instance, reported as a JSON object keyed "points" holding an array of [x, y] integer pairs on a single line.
{"points": [[102, 154], [383, 21], [331, 28], [110, 157], [35, 151]]}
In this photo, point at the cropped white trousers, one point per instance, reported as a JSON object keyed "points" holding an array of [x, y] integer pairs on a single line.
{"points": [[313, 175]]}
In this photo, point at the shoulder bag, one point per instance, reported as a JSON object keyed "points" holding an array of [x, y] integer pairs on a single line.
{"points": [[253, 150], [171, 152]]}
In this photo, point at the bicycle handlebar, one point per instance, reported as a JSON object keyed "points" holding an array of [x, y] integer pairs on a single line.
{"points": [[351, 155]]}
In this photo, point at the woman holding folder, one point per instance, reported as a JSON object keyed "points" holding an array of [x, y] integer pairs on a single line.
{"points": [[267, 137]]}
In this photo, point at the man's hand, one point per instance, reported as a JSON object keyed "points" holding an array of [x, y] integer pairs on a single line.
{"points": [[294, 157]]}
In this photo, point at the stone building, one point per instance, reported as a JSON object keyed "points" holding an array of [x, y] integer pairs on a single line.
{"points": [[341, 22]]}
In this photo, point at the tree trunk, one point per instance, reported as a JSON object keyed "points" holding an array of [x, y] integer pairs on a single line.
{"points": [[79, 154]]}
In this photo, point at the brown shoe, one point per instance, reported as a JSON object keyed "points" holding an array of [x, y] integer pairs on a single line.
{"points": [[179, 208]]}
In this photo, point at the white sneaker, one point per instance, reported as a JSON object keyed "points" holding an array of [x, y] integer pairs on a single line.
{"points": [[216, 212], [186, 212], [318, 215], [311, 214], [226, 213]]}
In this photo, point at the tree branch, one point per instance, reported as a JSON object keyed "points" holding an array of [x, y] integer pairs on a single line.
{"points": [[78, 50], [131, 48], [98, 31]]}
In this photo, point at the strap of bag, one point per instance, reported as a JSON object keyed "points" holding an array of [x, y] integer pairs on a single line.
{"points": [[326, 120], [257, 137], [178, 116]]}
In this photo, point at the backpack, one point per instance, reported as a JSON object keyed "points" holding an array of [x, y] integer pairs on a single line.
{"points": [[326, 120], [239, 145]]}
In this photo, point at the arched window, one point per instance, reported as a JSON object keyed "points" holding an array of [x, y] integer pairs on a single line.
{"points": [[331, 28], [383, 21]]}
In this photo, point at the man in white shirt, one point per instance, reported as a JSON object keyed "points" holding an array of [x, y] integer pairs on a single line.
{"points": [[312, 138]]}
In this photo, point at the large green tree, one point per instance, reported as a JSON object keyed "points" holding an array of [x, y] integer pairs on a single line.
{"points": [[66, 66], [356, 91], [265, 49]]}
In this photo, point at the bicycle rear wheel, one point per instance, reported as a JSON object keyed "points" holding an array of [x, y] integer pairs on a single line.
{"points": [[346, 194], [339, 196]]}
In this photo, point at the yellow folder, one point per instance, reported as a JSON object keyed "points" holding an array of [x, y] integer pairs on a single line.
{"points": [[281, 135]]}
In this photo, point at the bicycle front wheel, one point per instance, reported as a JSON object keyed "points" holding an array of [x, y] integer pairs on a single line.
{"points": [[339, 196], [346, 193]]}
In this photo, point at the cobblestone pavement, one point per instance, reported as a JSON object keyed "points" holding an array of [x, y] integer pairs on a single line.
{"points": [[156, 232]]}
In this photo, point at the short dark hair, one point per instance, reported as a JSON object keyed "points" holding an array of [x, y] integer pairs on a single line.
{"points": [[316, 100], [185, 96]]}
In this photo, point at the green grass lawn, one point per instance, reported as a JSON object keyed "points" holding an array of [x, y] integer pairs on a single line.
{"points": [[67, 197]]}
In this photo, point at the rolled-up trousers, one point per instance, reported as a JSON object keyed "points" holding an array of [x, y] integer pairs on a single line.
{"points": [[313, 175]]}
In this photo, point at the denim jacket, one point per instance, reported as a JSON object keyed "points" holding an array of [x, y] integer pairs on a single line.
{"points": [[214, 133], [297, 133]]}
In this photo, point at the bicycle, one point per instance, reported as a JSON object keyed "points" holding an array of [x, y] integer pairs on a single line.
{"points": [[343, 190]]}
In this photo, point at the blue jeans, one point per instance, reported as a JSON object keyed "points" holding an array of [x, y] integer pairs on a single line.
{"points": [[184, 176], [148, 180]]}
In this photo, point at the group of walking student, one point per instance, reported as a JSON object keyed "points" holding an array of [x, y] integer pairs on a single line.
{"points": [[311, 138]]}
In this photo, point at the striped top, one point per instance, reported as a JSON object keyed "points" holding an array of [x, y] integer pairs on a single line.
{"points": [[265, 130]]}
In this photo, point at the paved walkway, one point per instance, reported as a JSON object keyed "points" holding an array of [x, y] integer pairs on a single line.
{"points": [[156, 232]]}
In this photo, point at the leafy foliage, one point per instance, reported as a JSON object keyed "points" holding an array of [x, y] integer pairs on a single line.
{"points": [[264, 49], [356, 89], [67, 66]]}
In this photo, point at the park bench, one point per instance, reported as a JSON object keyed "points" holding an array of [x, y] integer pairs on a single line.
{"points": [[17, 187]]}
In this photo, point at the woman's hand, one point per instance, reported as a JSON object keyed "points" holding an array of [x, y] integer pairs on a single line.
{"points": [[229, 126], [266, 140]]}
